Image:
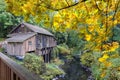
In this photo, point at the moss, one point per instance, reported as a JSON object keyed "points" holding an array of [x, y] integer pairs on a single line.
{"points": [[2, 39]]}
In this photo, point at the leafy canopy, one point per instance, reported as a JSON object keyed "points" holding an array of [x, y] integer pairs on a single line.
{"points": [[93, 19]]}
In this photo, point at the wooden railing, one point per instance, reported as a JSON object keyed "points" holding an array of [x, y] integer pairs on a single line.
{"points": [[10, 70]]}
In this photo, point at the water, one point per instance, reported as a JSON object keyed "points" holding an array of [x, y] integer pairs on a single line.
{"points": [[74, 71]]}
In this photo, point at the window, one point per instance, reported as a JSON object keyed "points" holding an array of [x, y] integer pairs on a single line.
{"points": [[29, 42]]}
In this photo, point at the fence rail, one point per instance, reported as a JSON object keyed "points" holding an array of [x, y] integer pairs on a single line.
{"points": [[10, 70]]}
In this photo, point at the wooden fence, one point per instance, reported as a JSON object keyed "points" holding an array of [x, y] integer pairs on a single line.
{"points": [[10, 70]]}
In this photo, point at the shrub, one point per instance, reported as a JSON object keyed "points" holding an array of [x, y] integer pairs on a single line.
{"points": [[52, 71], [58, 61], [64, 49], [86, 59], [1, 49], [35, 63], [60, 49], [104, 66], [55, 52]]}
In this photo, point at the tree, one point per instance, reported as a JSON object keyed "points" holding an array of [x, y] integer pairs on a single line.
{"points": [[7, 20], [93, 19]]}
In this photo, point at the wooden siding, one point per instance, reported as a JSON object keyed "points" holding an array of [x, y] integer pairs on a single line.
{"points": [[38, 41], [22, 29], [30, 44], [10, 70], [44, 41], [15, 48]]}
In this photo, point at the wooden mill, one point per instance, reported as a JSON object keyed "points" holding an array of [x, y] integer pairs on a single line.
{"points": [[26, 38]]}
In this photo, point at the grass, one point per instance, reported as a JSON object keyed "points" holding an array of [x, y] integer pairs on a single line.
{"points": [[2, 39]]}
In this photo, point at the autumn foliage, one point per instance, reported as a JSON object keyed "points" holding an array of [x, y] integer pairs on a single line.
{"points": [[93, 19]]}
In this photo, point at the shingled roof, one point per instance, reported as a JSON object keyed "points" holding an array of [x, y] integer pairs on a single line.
{"points": [[36, 29], [20, 37]]}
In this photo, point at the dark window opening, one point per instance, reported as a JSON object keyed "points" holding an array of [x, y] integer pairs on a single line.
{"points": [[29, 42]]}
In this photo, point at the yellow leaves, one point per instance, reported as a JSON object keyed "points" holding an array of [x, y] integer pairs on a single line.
{"points": [[57, 21], [83, 14], [91, 28], [115, 44], [28, 8], [118, 68], [107, 64], [88, 37], [111, 46], [102, 5], [66, 19], [103, 74], [24, 10], [103, 58], [115, 22], [118, 16], [93, 12], [90, 21], [104, 61], [26, 18], [93, 20]]}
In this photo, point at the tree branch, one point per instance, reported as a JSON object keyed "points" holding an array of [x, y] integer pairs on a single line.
{"points": [[58, 9], [97, 5], [116, 9], [67, 2]]}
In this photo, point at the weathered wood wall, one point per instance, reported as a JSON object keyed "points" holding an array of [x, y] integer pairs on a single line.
{"points": [[30, 44], [15, 48], [20, 48], [43, 41], [44, 44], [10, 70], [22, 29]]}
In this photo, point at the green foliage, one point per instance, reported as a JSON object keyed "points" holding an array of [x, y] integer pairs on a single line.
{"points": [[58, 61], [2, 39], [7, 20], [1, 49], [35, 63], [55, 52], [63, 48], [2, 5], [52, 71], [73, 39], [107, 70], [86, 59], [110, 73], [116, 31], [60, 37]]}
